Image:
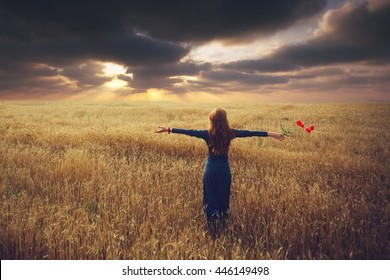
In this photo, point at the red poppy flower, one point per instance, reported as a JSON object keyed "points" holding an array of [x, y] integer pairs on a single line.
{"points": [[299, 123], [312, 127], [308, 130]]}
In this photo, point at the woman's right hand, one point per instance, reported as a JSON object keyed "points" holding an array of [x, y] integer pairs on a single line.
{"points": [[277, 136]]}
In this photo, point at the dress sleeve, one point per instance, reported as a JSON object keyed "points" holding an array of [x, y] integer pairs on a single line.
{"points": [[250, 133], [191, 132]]}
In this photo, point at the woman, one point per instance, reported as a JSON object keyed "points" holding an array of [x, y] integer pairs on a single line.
{"points": [[217, 175]]}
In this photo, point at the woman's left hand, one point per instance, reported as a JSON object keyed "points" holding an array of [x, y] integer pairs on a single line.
{"points": [[161, 129]]}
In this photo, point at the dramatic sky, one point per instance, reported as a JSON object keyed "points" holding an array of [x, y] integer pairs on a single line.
{"points": [[279, 50]]}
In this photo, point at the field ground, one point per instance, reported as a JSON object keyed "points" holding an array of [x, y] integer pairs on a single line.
{"points": [[92, 181]]}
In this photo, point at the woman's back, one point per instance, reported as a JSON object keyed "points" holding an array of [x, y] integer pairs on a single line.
{"points": [[217, 175]]}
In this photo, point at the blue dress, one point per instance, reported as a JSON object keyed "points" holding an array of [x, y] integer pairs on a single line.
{"points": [[217, 177]]}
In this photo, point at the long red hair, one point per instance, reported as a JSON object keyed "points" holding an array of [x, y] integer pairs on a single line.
{"points": [[220, 132]]}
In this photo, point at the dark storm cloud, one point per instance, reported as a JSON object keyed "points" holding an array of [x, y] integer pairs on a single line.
{"points": [[126, 49], [260, 65], [27, 73], [204, 20], [144, 77], [221, 81], [58, 45], [353, 33], [69, 53], [315, 73], [168, 70], [143, 35], [172, 20], [87, 75], [234, 76]]}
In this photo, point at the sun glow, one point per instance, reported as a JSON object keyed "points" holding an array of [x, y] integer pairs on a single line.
{"points": [[114, 70], [116, 83]]}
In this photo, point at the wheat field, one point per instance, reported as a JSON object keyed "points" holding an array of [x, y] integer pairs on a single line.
{"points": [[93, 181]]}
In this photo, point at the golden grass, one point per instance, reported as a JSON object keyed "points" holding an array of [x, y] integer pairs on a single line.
{"points": [[92, 181]]}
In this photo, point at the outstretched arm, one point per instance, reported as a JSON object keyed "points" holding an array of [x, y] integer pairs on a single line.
{"points": [[250, 133], [190, 132]]}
